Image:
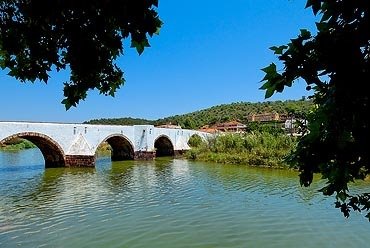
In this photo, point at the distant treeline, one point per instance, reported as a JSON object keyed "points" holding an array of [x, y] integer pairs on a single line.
{"points": [[120, 121], [220, 113]]}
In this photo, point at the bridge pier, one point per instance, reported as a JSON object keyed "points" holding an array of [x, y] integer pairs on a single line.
{"points": [[178, 153], [144, 155], [79, 161]]}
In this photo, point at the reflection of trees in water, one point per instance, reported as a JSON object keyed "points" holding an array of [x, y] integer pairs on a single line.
{"points": [[40, 195], [163, 168], [163, 172], [53, 184], [120, 175], [128, 176], [261, 181]]}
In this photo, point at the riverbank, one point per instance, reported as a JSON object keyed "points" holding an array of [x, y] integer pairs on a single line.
{"points": [[17, 145], [260, 149]]}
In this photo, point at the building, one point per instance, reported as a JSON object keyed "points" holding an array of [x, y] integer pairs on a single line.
{"points": [[267, 117], [231, 126], [209, 129]]}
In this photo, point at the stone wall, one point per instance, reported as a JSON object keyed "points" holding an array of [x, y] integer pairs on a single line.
{"points": [[142, 155], [79, 161]]}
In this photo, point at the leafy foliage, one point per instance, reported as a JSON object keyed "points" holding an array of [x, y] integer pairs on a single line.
{"points": [[334, 63], [85, 36], [195, 141], [272, 128]]}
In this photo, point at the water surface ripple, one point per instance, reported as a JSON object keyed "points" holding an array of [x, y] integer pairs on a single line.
{"points": [[166, 203]]}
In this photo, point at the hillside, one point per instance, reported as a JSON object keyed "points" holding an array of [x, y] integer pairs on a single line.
{"points": [[220, 113]]}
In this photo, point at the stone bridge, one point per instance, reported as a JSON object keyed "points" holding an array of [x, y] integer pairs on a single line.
{"points": [[76, 144]]}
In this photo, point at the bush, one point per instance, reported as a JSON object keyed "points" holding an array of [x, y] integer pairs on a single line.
{"points": [[195, 141], [256, 149]]}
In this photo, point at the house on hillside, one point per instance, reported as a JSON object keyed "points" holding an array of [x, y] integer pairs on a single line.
{"points": [[267, 117], [209, 129], [231, 126]]}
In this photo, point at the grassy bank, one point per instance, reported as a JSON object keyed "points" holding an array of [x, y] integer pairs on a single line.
{"points": [[255, 149], [17, 144]]}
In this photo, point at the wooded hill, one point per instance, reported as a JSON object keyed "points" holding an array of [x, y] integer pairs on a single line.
{"points": [[220, 113]]}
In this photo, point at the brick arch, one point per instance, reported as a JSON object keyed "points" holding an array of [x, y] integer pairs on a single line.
{"points": [[50, 149], [122, 147], [163, 146]]}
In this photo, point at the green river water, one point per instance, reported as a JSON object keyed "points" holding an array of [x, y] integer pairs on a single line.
{"points": [[166, 203]]}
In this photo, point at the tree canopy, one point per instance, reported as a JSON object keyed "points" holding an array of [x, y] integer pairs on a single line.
{"points": [[335, 64], [37, 36]]}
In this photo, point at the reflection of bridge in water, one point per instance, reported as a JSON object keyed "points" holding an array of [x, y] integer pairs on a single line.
{"points": [[76, 144]]}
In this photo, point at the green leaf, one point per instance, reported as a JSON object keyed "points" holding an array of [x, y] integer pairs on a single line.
{"points": [[310, 3], [322, 26], [315, 5], [269, 69], [265, 86], [326, 16], [2, 64], [157, 31], [278, 49], [305, 34], [269, 92], [67, 103], [140, 45], [342, 196], [12, 73]]}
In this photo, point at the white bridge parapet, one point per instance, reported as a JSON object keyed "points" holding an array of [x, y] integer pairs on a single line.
{"points": [[76, 144]]}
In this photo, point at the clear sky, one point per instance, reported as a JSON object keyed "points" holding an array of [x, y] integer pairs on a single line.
{"points": [[208, 53]]}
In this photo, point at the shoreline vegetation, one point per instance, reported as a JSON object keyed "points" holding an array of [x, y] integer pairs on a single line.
{"points": [[256, 149]]}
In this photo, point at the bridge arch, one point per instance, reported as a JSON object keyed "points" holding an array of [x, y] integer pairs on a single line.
{"points": [[122, 147], [50, 149], [163, 146]]}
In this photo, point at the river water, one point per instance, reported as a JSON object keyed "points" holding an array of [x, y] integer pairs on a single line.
{"points": [[166, 203]]}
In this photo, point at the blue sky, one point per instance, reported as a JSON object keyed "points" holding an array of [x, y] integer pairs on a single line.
{"points": [[208, 53]]}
